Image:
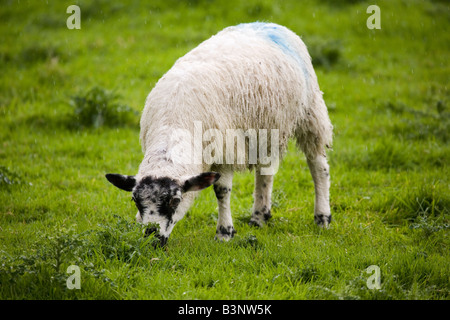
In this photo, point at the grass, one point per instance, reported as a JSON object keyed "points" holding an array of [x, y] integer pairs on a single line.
{"points": [[69, 101]]}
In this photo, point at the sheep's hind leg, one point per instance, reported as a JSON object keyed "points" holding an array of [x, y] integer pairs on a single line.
{"points": [[320, 173], [262, 199], [222, 188]]}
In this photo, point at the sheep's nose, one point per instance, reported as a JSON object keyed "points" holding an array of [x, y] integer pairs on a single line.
{"points": [[162, 239]]}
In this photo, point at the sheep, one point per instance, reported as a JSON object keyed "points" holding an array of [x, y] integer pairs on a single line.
{"points": [[247, 78]]}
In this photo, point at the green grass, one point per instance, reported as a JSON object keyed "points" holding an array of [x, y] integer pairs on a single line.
{"points": [[68, 104]]}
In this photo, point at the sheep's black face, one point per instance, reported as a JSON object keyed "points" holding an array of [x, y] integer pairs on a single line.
{"points": [[158, 199]]}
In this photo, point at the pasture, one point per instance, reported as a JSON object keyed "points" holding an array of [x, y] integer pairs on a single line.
{"points": [[70, 102]]}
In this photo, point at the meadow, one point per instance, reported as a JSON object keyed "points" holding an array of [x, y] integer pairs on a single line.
{"points": [[70, 102]]}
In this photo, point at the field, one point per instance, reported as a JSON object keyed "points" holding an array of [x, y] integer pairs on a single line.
{"points": [[70, 102]]}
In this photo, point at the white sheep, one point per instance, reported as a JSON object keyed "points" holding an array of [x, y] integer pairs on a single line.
{"points": [[248, 79]]}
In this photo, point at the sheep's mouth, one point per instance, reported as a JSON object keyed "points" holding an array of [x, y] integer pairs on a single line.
{"points": [[150, 230], [162, 239]]}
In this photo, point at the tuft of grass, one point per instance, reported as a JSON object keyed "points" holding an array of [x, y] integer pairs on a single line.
{"points": [[99, 107], [123, 241], [38, 53], [425, 205], [249, 241], [304, 275], [324, 53], [8, 178]]}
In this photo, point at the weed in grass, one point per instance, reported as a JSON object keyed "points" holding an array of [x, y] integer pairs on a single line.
{"points": [[124, 241], [99, 107], [429, 225], [8, 178], [258, 10], [324, 53], [42, 270], [249, 241], [90, 250], [425, 203], [304, 275], [37, 53]]}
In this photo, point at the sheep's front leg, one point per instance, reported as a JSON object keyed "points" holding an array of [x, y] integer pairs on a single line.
{"points": [[262, 199], [222, 188], [321, 176]]}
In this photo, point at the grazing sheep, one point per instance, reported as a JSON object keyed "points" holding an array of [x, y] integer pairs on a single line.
{"points": [[246, 81]]}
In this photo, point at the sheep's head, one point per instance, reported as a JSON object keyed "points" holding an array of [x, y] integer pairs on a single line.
{"points": [[160, 200]]}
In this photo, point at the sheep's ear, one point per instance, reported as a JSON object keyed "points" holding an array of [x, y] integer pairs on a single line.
{"points": [[121, 181], [201, 181]]}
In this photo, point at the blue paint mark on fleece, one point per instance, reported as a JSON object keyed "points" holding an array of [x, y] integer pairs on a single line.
{"points": [[278, 36]]}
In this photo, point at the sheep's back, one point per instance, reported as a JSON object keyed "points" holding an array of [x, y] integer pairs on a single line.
{"points": [[251, 76]]}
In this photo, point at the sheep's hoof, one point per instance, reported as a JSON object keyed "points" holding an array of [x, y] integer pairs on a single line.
{"points": [[259, 218], [224, 233], [255, 223], [322, 220]]}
